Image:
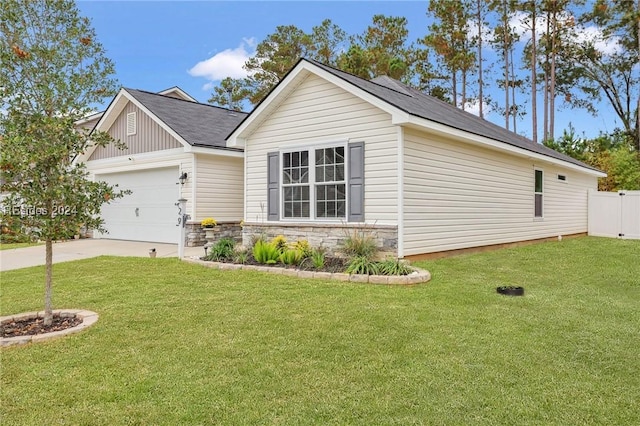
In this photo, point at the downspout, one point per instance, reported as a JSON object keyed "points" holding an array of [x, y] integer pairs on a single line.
{"points": [[194, 183], [400, 219]]}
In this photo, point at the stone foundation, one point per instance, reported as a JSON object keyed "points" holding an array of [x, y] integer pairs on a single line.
{"points": [[195, 234], [329, 236]]}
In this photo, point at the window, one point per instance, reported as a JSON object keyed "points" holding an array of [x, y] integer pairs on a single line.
{"points": [[538, 193], [562, 178], [317, 191], [131, 123]]}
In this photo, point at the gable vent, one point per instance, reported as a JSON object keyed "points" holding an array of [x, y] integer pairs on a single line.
{"points": [[131, 124]]}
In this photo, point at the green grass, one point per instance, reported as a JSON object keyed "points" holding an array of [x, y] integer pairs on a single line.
{"points": [[182, 344], [9, 246]]}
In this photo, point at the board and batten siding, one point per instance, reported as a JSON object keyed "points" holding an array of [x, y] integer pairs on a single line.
{"points": [[319, 112], [149, 136], [458, 195], [220, 187]]}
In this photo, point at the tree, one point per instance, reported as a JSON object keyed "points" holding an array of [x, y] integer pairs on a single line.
{"points": [[231, 93], [53, 70], [614, 74], [380, 50], [326, 42], [449, 39]]}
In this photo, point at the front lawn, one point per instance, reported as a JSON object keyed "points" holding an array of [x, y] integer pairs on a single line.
{"points": [[9, 246], [181, 344]]}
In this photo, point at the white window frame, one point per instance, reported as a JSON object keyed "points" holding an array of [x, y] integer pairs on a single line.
{"points": [[311, 149], [536, 193]]}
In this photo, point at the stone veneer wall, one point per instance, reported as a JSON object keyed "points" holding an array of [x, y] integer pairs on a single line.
{"points": [[329, 236], [195, 234]]}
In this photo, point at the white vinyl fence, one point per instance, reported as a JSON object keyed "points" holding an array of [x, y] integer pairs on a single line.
{"points": [[614, 214]]}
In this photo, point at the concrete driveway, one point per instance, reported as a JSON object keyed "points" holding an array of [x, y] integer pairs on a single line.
{"points": [[87, 248]]}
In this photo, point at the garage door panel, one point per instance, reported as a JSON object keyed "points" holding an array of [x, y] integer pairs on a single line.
{"points": [[149, 212]]}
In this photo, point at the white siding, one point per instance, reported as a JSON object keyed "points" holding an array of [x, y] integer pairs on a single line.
{"points": [[459, 196], [219, 188], [319, 112]]}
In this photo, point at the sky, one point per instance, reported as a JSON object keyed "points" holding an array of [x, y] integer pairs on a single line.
{"points": [[194, 44]]}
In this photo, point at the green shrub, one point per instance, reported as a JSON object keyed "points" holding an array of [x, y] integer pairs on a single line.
{"points": [[291, 257], [317, 258], [362, 265], [222, 250], [266, 253], [392, 266], [240, 256], [359, 244], [304, 248]]}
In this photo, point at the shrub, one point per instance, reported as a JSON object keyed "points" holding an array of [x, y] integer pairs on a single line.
{"points": [[222, 250], [362, 265], [304, 248], [317, 258], [359, 244], [392, 266], [280, 242], [240, 256], [265, 253], [291, 257]]}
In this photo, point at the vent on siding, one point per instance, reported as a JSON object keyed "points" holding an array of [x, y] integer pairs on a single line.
{"points": [[562, 178], [131, 123]]}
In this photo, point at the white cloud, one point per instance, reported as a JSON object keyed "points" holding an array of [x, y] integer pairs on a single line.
{"points": [[593, 34], [473, 106], [227, 63]]}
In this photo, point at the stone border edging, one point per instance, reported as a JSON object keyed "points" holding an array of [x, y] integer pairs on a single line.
{"points": [[88, 319], [418, 277]]}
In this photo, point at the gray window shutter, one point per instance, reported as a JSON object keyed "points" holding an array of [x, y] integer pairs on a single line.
{"points": [[273, 174], [356, 182]]}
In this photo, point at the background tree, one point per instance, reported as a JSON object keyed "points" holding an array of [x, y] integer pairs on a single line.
{"points": [[450, 40], [381, 50], [231, 93], [53, 70], [326, 42]]}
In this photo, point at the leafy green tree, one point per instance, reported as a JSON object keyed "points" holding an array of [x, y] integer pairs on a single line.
{"points": [[449, 39], [53, 70], [380, 50], [231, 93], [326, 42]]}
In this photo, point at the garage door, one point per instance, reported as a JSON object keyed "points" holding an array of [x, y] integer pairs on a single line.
{"points": [[149, 212]]}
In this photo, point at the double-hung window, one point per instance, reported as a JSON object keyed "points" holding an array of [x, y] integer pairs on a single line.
{"points": [[314, 183]]}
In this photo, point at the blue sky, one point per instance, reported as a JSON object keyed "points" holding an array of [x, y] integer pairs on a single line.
{"points": [[193, 44]]}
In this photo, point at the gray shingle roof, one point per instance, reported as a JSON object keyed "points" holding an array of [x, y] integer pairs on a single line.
{"points": [[421, 105], [199, 124]]}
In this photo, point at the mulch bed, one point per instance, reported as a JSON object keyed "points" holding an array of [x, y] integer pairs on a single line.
{"points": [[35, 326]]}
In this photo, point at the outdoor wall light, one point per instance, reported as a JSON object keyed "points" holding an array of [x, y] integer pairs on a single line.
{"points": [[183, 178]]}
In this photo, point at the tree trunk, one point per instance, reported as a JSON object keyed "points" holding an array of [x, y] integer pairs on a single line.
{"points": [[480, 82], [552, 77], [48, 288], [638, 105], [464, 88], [454, 81], [513, 93], [534, 88], [507, 108], [545, 132]]}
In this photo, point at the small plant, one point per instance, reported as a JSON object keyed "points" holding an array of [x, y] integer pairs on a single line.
{"points": [[291, 257], [280, 242], [392, 266], [222, 250], [359, 244], [208, 222], [304, 248], [240, 256], [362, 265], [266, 253], [317, 258]]}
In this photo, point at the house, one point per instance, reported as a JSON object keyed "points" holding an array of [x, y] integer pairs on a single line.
{"points": [[328, 154], [168, 135]]}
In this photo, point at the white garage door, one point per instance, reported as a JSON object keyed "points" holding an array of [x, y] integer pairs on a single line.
{"points": [[149, 212]]}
